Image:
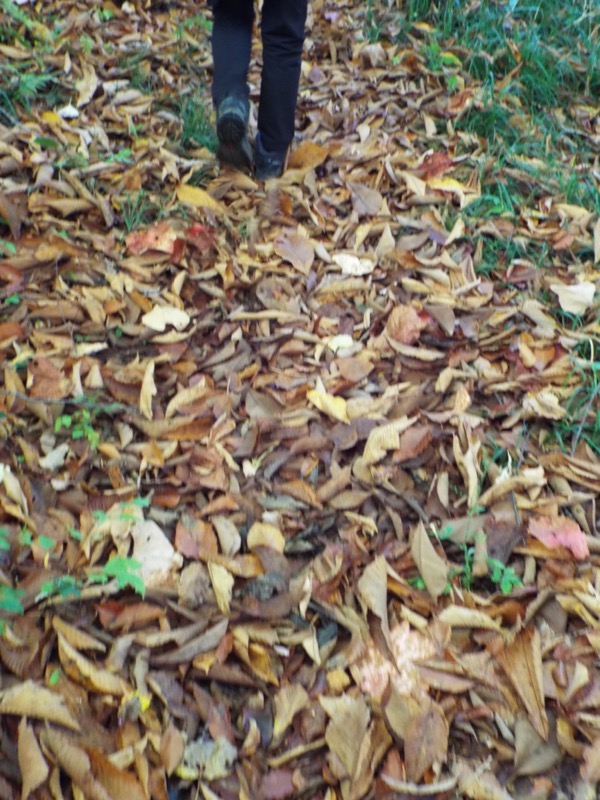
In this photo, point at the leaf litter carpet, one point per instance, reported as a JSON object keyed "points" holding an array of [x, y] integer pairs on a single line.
{"points": [[302, 417]]}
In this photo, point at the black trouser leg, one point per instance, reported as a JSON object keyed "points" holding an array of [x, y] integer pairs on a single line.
{"points": [[231, 48], [282, 29]]}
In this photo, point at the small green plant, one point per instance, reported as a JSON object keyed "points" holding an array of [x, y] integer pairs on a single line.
{"points": [[13, 299], [54, 677], [7, 249], [503, 576], [25, 537], [194, 25], [10, 603], [22, 84], [373, 26], [105, 14], [581, 421], [137, 210], [125, 570], [65, 587], [87, 44], [497, 201], [124, 156], [197, 129], [80, 425]]}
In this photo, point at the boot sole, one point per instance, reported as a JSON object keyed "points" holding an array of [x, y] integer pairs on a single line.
{"points": [[234, 147]]}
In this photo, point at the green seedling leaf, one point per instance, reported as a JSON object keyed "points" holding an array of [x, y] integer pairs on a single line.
{"points": [[10, 600], [126, 572], [141, 502], [64, 586], [45, 542], [25, 537], [46, 143], [4, 543], [64, 421], [9, 248]]}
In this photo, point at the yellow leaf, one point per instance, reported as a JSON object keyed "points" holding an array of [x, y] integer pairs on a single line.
{"points": [[222, 582], [30, 699], [334, 407], [461, 617], [261, 534], [198, 198], [147, 391]]}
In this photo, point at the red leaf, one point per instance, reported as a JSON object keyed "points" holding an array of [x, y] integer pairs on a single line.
{"points": [[560, 532]]}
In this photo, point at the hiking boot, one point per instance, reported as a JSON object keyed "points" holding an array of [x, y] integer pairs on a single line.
{"points": [[267, 164], [232, 123]]}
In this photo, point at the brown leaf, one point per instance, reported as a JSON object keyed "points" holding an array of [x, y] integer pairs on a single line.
{"points": [[405, 324], [10, 212], [426, 741], [522, 662], [29, 699], [372, 589], [534, 754], [33, 766], [289, 700], [295, 247], [171, 748], [432, 567]]}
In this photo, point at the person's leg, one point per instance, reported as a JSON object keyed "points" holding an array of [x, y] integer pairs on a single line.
{"points": [[282, 28], [231, 49]]}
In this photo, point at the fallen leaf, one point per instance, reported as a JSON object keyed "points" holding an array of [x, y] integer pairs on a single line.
{"points": [[198, 198], [575, 298], [426, 742], [295, 247], [161, 316], [86, 86], [33, 766], [433, 568], [560, 531], [334, 407], [521, 660], [29, 699], [148, 391]]}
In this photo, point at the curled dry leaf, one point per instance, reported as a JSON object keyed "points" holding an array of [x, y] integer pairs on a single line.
{"points": [[29, 699]]}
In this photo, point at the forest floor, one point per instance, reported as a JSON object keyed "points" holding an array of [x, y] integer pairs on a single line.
{"points": [[298, 479]]}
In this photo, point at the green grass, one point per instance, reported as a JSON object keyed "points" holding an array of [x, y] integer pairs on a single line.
{"points": [[197, 129], [528, 56], [581, 422], [497, 255], [137, 210], [23, 83]]}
